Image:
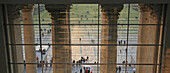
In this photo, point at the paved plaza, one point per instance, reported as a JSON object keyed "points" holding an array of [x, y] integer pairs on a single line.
{"points": [[88, 34]]}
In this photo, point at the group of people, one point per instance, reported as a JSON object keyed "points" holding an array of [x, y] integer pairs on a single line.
{"points": [[86, 70], [122, 42], [48, 31], [81, 60], [118, 69]]}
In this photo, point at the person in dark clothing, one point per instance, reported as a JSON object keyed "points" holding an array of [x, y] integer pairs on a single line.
{"points": [[49, 44], [48, 31], [80, 61], [116, 69], [80, 39], [74, 61], [94, 62], [123, 62], [88, 70], [81, 70], [119, 69], [46, 65], [51, 62], [87, 57], [77, 62], [126, 49], [121, 41], [84, 68], [42, 34], [84, 60]]}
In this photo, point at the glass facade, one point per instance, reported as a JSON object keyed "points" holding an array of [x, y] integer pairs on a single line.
{"points": [[123, 38]]}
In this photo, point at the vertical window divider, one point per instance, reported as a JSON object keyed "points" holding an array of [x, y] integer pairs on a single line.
{"points": [[162, 51], [98, 40], [40, 36], [127, 38], [4, 7]]}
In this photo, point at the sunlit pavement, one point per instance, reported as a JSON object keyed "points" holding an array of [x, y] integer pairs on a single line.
{"points": [[77, 69]]}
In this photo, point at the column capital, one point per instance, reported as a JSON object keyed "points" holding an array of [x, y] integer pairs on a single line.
{"points": [[28, 8], [57, 10], [111, 8], [57, 7], [111, 11], [144, 8]]}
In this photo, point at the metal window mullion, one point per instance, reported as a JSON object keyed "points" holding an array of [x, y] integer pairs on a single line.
{"points": [[163, 38], [157, 40], [127, 38], [40, 37], [98, 40], [70, 52], [6, 35]]}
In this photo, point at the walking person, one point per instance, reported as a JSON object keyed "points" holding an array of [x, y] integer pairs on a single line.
{"points": [[119, 69], [121, 41], [87, 57], [46, 64], [37, 59], [42, 34], [51, 62], [116, 69], [81, 70], [87, 70], [134, 69]]}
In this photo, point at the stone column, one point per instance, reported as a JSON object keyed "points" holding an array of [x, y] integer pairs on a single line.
{"points": [[166, 50], [148, 34], [156, 30], [16, 38], [109, 36], [29, 38], [60, 35], [69, 67]]}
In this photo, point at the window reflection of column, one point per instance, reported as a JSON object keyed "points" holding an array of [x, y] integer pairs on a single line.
{"points": [[148, 34], [16, 38], [156, 16], [109, 36], [60, 35], [29, 38]]}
